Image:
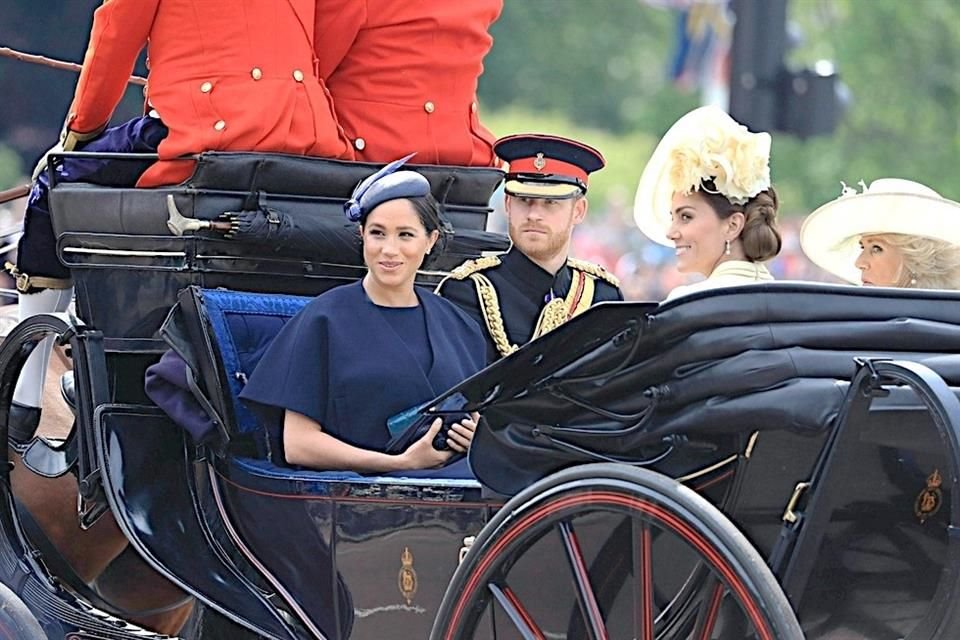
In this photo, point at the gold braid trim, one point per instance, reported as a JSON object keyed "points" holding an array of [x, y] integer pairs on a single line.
{"points": [[586, 300], [492, 316], [593, 269], [560, 310], [470, 267]]}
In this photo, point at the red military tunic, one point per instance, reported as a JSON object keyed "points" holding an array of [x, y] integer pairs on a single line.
{"points": [[403, 75], [237, 76]]}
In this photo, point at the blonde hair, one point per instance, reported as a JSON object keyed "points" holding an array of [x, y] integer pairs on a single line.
{"points": [[927, 263]]}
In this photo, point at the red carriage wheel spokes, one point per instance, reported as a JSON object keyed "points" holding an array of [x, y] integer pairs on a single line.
{"points": [[541, 542], [707, 620], [643, 581], [515, 610], [585, 595]]}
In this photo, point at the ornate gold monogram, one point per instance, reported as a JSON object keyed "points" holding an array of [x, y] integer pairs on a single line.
{"points": [[930, 500], [407, 578], [539, 162]]}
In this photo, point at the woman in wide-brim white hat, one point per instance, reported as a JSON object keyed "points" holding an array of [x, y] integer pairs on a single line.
{"points": [[895, 233], [706, 191]]}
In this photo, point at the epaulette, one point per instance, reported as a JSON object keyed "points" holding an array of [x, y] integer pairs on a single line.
{"points": [[594, 270], [470, 267]]}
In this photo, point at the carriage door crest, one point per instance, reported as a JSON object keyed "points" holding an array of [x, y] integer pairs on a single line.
{"points": [[930, 499], [407, 578]]}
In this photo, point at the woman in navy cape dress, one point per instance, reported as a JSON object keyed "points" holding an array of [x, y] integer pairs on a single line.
{"points": [[363, 352]]}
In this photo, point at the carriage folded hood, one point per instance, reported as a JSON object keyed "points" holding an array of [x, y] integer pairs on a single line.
{"points": [[625, 380]]}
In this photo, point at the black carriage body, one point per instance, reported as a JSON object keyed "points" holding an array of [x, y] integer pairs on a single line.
{"points": [[279, 551], [741, 392]]}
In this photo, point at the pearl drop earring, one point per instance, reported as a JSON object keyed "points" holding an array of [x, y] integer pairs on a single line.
{"points": [[726, 247]]}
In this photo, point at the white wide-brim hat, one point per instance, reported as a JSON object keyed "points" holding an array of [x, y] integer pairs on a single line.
{"points": [[704, 143], [830, 236]]}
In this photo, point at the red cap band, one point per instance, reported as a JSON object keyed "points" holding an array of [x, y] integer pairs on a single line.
{"points": [[547, 166]]}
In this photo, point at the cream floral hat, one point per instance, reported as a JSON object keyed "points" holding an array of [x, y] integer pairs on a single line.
{"points": [[704, 144]]}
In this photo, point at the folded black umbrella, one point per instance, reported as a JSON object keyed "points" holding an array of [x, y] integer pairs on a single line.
{"points": [[335, 239]]}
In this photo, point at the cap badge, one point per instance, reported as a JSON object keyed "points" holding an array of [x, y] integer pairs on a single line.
{"points": [[539, 162]]}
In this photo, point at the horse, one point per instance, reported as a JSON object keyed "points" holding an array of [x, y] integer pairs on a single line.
{"points": [[100, 556]]}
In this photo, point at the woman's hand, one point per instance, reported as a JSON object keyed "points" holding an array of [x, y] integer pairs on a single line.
{"points": [[422, 455], [460, 436]]}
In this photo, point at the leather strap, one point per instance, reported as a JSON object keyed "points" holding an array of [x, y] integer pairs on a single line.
{"points": [[27, 282], [58, 566]]}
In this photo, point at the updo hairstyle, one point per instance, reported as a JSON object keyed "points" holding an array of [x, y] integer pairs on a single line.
{"points": [[760, 237]]}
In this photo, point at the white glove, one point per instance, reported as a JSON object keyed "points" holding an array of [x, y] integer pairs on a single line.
{"points": [[68, 142], [42, 163]]}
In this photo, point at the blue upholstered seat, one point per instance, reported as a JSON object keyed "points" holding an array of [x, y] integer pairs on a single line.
{"points": [[243, 326]]}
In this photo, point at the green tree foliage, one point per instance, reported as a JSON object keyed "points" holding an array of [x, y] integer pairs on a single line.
{"points": [[602, 65], [11, 167], [901, 61]]}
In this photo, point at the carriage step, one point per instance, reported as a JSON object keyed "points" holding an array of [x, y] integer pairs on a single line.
{"points": [[50, 458]]}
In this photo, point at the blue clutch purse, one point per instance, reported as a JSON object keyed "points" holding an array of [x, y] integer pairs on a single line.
{"points": [[410, 425]]}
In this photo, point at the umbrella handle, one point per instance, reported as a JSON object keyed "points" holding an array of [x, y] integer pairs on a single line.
{"points": [[180, 224]]}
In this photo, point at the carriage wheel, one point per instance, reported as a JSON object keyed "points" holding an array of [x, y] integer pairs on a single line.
{"points": [[528, 573]]}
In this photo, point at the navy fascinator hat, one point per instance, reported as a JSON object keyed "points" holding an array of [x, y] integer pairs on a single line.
{"points": [[384, 185]]}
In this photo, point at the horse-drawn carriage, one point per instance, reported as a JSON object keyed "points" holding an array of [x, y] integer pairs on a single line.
{"points": [[771, 461]]}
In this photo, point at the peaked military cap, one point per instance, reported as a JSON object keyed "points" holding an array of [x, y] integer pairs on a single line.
{"points": [[545, 166]]}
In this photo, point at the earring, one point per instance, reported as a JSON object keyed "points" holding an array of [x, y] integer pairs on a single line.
{"points": [[726, 247], [913, 280]]}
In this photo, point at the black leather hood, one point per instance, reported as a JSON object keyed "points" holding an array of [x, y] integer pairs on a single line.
{"points": [[628, 377]]}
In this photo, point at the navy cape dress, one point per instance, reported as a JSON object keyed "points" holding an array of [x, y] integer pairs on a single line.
{"points": [[340, 362]]}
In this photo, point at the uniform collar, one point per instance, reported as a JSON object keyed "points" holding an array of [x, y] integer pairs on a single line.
{"points": [[533, 277]]}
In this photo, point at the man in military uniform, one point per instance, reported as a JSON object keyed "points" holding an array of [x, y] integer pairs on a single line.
{"points": [[535, 286]]}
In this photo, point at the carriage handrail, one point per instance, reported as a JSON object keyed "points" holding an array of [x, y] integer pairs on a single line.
{"points": [[46, 61]]}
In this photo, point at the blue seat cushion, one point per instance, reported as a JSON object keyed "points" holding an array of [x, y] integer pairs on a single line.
{"points": [[243, 325]]}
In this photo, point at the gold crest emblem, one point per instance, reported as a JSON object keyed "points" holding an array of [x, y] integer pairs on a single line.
{"points": [[929, 501], [407, 578], [539, 162]]}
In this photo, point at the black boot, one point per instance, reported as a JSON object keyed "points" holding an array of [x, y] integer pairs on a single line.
{"points": [[22, 423], [68, 390]]}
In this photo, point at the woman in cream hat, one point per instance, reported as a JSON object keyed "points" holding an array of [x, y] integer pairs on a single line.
{"points": [[706, 191], [895, 233]]}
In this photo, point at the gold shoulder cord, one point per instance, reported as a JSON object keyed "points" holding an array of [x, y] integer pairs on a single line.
{"points": [[594, 270], [492, 316], [470, 267], [553, 314]]}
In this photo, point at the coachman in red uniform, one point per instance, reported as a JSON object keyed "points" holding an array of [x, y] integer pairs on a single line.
{"points": [[223, 76], [403, 75]]}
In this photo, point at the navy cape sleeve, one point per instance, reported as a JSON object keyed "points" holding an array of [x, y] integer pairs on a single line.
{"points": [[294, 373]]}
